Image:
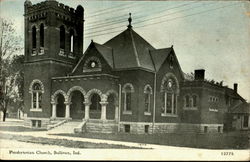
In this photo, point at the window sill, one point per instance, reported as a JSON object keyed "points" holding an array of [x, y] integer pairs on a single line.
{"points": [[190, 108], [92, 70], [213, 110], [169, 115], [127, 112], [147, 113], [72, 57], [36, 110]]}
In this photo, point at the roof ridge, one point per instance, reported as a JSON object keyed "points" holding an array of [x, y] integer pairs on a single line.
{"points": [[134, 47]]}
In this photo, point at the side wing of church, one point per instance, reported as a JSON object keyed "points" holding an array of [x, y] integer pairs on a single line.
{"points": [[123, 85]]}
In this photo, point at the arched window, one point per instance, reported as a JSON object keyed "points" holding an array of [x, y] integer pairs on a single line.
{"points": [[194, 99], [36, 96], [42, 35], [71, 41], [170, 90], [128, 89], [147, 97], [33, 37], [62, 38]]}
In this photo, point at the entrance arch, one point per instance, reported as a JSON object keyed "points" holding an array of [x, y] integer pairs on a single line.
{"points": [[95, 106], [77, 107], [76, 96], [58, 100], [60, 107]]}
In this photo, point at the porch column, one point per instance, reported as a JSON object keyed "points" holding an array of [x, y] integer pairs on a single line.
{"points": [[87, 104], [67, 110], [116, 112], [103, 111], [53, 110]]}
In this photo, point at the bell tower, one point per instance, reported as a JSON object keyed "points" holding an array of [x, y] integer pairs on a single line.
{"points": [[53, 45], [53, 31]]}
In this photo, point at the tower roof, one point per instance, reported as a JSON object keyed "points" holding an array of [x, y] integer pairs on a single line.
{"points": [[131, 50]]}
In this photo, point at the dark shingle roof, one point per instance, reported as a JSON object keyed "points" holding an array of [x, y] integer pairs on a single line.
{"points": [[106, 52], [131, 50], [159, 56]]}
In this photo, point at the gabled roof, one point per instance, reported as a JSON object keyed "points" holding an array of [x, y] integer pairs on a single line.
{"points": [[230, 92], [106, 52], [244, 107], [131, 51], [159, 56]]}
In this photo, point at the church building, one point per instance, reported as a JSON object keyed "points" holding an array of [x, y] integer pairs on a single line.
{"points": [[123, 85]]}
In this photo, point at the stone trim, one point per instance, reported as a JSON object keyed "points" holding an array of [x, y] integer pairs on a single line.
{"points": [[130, 85], [36, 110], [36, 81], [76, 88], [146, 87], [53, 97]]}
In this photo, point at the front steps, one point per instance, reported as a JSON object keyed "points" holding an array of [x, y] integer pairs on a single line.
{"points": [[66, 127]]}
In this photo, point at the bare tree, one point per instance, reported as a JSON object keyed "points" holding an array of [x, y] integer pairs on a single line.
{"points": [[10, 45]]}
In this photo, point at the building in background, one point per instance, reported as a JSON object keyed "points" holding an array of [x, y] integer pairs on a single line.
{"points": [[123, 85]]}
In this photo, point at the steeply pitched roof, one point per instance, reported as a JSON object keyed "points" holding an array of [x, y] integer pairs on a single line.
{"points": [[106, 52], [230, 92], [159, 56], [131, 50]]}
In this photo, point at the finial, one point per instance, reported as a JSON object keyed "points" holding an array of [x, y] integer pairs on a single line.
{"points": [[129, 21], [27, 2], [92, 40], [172, 46]]}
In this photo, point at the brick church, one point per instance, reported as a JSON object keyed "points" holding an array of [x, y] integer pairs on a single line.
{"points": [[123, 85]]}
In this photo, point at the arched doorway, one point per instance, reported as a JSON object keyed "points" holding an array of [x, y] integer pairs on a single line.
{"points": [[60, 107], [110, 111], [95, 107], [77, 107]]}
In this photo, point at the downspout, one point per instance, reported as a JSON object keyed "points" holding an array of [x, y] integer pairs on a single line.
{"points": [[154, 106], [119, 107], [154, 103]]}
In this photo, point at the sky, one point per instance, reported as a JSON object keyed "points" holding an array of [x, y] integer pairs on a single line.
{"points": [[211, 35]]}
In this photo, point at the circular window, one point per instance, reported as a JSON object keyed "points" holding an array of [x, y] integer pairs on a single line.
{"points": [[170, 84], [93, 64]]}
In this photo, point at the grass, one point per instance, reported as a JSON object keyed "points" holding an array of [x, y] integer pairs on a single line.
{"points": [[232, 140], [18, 129], [63, 142]]}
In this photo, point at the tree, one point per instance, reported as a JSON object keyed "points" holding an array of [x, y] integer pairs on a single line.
{"points": [[10, 65]]}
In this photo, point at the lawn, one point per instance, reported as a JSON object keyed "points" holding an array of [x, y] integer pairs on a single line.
{"points": [[232, 140], [18, 129], [63, 142]]}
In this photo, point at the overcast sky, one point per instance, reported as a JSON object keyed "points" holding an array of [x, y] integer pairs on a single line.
{"points": [[207, 34]]}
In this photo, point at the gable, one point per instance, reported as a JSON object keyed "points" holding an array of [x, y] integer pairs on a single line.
{"points": [[94, 61], [169, 64]]}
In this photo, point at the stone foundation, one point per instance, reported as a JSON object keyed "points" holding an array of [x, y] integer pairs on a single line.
{"points": [[100, 126], [140, 128], [136, 128], [36, 123]]}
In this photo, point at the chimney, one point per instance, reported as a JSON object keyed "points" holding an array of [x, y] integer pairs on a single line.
{"points": [[199, 74], [235, 87]]}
